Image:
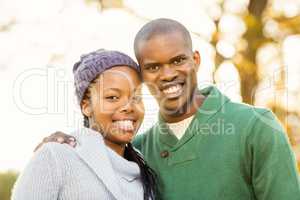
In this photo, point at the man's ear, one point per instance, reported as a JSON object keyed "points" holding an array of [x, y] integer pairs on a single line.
{"points": [[197, 59], [86, 107]]}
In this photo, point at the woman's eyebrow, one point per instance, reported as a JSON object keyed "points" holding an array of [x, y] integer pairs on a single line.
{"points": [[153, 64], [112, 88]]}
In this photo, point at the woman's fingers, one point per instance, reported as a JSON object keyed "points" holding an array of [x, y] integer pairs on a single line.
{"points": [[58, 137]]}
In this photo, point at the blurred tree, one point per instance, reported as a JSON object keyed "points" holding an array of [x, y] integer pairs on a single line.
{"points": [[259, 11], [245, 60], [105, 4], [7, 26], [7, 181]]}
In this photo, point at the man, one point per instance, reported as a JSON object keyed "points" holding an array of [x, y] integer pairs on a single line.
{"points": [[205, 146]]}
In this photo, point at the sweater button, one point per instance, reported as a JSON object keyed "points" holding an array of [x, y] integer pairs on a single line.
{"points": [[164, 154]]}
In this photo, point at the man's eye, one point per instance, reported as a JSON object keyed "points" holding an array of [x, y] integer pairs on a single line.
{"points": [[178, 61], [137, 99]]}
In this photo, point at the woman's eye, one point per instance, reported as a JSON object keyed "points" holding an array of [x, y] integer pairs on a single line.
{"points": [[112, 98], [153, 68]]}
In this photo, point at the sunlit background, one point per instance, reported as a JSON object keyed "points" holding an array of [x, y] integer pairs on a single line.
{"points": [[250, 49]]}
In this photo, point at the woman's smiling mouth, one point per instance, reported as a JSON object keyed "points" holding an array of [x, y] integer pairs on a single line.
{"points": [[124, 125]]}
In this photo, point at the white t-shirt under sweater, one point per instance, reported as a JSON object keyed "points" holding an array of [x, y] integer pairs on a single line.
{"points": [[179, 128]]}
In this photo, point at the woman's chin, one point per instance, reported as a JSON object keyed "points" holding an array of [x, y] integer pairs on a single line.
{"points": [[126, 137]]}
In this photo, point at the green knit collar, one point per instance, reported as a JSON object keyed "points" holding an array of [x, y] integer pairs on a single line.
{"points": [[212, 105]]}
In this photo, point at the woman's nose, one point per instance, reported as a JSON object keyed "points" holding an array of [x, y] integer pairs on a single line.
{"points": [[127, 107]]}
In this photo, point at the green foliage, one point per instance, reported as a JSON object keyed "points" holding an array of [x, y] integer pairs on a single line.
{"points": [[7, 180]]}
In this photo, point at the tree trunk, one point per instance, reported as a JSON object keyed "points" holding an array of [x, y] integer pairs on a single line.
{"points": [[246, 61]]}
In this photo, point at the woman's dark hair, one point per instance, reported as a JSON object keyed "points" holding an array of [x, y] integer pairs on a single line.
{"points": [[86, 122], [148, 176], [87, 95]]}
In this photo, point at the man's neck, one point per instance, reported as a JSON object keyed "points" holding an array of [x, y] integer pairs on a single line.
{"points": [[190, 109]]}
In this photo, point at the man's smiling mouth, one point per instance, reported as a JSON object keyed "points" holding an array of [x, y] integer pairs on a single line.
{"points": [[173, 90]]}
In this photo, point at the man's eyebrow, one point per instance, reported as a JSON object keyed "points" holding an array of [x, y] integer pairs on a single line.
{"points": [[177, 57], [152, 64]]}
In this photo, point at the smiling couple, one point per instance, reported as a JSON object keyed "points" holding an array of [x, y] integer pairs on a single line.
{"points": [[173, 160]]}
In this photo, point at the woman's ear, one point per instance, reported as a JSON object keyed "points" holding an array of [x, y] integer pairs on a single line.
{"points": [[86, 107]]}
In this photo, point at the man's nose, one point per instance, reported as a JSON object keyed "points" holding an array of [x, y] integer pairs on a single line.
{"points": [[168, 73]]}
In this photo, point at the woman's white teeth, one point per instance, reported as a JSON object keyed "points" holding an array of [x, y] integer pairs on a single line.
{"points": [[173, 89], [126, 125]]}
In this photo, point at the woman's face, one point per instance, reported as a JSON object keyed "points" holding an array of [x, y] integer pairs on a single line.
{"points": [[115, 106]]}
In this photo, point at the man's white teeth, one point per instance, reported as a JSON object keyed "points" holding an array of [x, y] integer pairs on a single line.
{"points": [[126, 125], [172, 89]]}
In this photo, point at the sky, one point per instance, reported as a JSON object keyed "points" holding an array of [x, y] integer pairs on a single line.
{"points": [[48, 37]]}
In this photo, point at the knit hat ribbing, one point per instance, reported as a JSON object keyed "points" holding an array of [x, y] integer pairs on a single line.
{"points": [[94, 63]]}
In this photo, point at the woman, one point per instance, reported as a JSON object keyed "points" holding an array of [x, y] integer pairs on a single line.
{"points": [[104, 164]]}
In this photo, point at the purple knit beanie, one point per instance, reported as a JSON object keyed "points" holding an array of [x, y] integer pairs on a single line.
{"points": [[96, 62]]}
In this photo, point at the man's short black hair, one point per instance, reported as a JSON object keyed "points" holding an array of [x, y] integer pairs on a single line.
{"points": [[157, 27]]}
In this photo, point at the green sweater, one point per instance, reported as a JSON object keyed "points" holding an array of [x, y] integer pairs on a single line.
{"points": [[230, 151]]}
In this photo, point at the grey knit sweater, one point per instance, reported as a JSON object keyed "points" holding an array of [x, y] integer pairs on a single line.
{"points": [[91, 171]]}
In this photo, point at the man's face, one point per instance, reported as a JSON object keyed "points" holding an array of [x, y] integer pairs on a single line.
{"points": [[169, 70]]}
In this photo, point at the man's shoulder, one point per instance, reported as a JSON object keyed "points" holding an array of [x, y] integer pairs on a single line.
{"points": [[244, 107], [249, 119], [255, 120], [243, 111]]}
